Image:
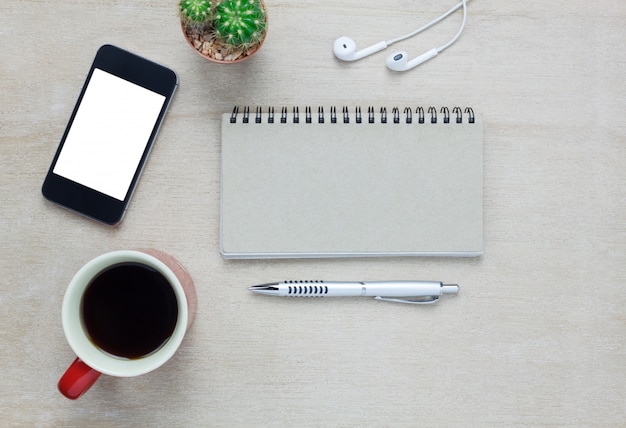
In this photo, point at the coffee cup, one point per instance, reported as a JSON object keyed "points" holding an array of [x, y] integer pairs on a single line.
{"points": [[124, 314]]}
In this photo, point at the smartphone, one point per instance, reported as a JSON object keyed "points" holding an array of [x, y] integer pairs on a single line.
{"points": [[109, 135]]}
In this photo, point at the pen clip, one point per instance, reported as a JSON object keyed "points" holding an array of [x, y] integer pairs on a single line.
{"points": [[428, 300]]}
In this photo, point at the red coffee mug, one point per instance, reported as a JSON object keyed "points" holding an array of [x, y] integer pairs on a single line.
{"points": [[92, 361]]}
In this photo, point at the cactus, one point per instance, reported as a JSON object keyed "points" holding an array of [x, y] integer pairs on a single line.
{"points": [[224, 29], [195, 12], [239, 23]]}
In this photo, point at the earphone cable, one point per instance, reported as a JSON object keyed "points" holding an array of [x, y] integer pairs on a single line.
{"points": [[458, 34], [436, 21]]}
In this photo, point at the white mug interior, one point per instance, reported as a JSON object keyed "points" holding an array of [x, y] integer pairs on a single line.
{"points": [[78, 338]]}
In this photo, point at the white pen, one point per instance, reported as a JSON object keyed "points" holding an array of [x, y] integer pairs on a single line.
{"points": [[415, 292]]}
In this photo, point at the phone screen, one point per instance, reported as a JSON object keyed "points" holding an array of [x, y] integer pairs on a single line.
{"points": [[109, 134]]}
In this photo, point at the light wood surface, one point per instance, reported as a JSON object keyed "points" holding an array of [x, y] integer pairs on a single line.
{"points": [[535, 338]]}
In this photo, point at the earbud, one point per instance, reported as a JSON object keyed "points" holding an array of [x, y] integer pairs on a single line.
{"points": [[345, 49], [399, 62]]}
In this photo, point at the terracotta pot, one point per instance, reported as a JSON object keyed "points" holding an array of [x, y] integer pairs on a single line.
{"points": [[222, 61]]}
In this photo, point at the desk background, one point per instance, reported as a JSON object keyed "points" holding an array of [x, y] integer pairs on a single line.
{"points": [[536, 337]]}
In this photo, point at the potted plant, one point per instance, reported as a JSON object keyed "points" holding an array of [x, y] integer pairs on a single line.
{"points": [[224, 31]]}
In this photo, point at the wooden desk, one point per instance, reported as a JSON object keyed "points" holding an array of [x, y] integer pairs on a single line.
{"points": [[536, 337]]}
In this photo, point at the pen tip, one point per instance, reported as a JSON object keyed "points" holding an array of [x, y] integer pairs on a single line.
{"points": [[263, 288]]}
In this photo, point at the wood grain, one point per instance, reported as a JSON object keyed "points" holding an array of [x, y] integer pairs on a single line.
{"points": [[536, 336]]}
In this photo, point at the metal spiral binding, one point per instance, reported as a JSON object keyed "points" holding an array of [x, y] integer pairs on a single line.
{"points": [[396, 115], [307, 288], [408, 114], [433, 114], [420, 112], [233, 116], [383, 115], [446, 114]]}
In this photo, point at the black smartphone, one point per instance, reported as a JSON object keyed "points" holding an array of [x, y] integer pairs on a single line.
{"points": [[109, 135]]}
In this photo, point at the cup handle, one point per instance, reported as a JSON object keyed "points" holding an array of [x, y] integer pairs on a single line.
{"points": [[77, 379]]}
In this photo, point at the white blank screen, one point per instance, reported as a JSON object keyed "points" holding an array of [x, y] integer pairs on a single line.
{"points": [[109, 134]]}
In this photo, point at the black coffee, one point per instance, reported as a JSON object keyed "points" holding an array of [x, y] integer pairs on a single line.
{"points": [[129, 310]]}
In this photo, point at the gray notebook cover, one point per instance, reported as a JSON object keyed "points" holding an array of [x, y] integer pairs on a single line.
{"points": [[350, 189]]}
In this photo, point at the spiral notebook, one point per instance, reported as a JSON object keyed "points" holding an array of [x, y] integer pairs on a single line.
{"points": [[326, 183]]}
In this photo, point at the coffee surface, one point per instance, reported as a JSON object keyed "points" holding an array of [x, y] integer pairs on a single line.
{"points": [[129, 310]]}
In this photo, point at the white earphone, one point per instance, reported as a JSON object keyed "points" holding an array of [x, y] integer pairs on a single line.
{"points": [[344, 47]]}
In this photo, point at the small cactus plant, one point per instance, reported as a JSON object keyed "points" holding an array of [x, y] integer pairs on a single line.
{"points": [[224, 29], [195, 12], [239, 22]]}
